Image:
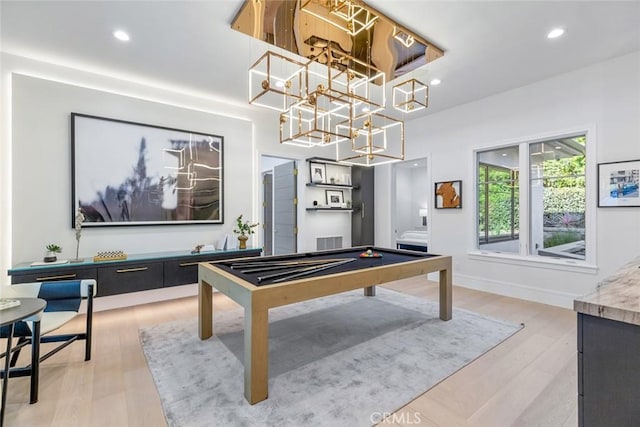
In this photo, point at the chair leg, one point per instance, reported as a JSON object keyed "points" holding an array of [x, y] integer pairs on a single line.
{"points": [[87, 344], [5, 378], [16, 353], [35, 361]]}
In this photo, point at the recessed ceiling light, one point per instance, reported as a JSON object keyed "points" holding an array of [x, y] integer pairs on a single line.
{"points": [[504, 154], [558, 148], [436, 82], [121, 35], [555, 33], [415, 164]]}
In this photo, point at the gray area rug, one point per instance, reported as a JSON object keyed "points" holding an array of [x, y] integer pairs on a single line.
{"points": [[334, 361]]}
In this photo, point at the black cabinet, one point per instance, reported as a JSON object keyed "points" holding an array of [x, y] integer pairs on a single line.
{"points": [[183, 271], [608, 372], [129, 278], [179, 272], [137, 273], [362, 219], [49, 275]]}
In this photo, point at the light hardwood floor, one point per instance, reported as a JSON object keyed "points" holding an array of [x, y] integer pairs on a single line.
{"points": [[528, 380]]}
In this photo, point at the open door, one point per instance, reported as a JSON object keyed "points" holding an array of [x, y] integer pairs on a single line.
{"points": [[412, 197], [285, 201]]}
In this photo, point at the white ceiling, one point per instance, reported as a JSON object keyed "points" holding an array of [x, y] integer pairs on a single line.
{"points": [[491, 46]]}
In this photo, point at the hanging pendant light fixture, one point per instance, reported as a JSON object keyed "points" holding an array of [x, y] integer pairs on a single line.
{"points": [[314, 120], [376, 139], [336, 94], [276, 82], [410, 96]]}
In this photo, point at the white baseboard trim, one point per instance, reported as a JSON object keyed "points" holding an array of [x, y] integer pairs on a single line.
{"points": [[529, 293]]}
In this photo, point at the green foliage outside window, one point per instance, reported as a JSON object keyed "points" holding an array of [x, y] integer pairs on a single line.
{"points": [[563, 197], [503, 204]]}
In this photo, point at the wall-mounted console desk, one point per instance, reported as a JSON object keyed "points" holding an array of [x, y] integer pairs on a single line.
{"points": [[139, 272]]}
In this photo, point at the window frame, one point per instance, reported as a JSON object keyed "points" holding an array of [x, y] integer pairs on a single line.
{"points": [[524, 255], [486, 184]]}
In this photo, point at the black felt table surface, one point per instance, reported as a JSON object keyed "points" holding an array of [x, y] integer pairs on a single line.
{"points": [[389, 257]]}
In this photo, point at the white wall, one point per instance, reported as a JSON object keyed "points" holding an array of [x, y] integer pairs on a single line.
{"points": [[37, 98], [42, 163], [605, 96], [322, 223]]}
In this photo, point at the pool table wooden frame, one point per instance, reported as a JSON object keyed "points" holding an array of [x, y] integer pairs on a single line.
{"points": [[257, 300]]}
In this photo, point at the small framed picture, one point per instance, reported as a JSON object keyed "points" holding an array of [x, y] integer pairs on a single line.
{"points": [[335, 198], [618, 184], [318, 173], [448, 195]]}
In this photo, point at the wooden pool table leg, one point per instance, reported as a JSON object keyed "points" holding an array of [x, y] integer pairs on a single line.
{"points": [[445, 294], [205, 310], [256, 354], [370, 291]]}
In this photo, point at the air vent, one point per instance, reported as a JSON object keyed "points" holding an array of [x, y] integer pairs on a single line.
{"points": [[325, 243]]}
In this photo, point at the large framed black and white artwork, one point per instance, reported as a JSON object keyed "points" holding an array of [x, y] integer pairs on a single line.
{"points": [[127, 173]]}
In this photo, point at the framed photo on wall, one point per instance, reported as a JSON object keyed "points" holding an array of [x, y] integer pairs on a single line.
{"points": [[318, 173], [618, 184], [335, 198], [128, 173], [448, 195]]}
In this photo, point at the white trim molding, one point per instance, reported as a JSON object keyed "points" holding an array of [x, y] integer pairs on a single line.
{"points": [[529, 293], [536, 261]]}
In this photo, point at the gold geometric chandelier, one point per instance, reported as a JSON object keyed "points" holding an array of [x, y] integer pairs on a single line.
{"points": [[335, 93]]}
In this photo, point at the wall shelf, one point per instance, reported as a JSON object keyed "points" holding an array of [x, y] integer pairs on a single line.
{"points": [[331, 209], [321, 185], [328, 161]]}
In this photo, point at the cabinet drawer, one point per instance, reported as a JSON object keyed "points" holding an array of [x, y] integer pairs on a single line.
{"points": [[129, 278], [53, 275], [181, 272]]}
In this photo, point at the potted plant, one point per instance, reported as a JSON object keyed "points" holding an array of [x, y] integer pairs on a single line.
{"points": [[52, 250], [243, 229]]}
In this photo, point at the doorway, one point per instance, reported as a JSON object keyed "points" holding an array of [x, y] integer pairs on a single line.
{"points": [[279, 205], [412, 203]]}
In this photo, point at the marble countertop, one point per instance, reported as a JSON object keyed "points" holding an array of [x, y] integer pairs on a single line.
{"points": [[617, 297]]}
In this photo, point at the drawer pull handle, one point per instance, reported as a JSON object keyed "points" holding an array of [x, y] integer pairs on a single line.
{"points": [[63, 276], [187, 264], [131, 270]]}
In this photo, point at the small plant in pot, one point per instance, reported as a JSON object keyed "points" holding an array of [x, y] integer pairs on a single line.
{"points": [[243, 229], [52, 250]]}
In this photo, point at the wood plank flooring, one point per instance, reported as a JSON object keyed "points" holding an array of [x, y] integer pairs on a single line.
{"points": [[529, 380]]}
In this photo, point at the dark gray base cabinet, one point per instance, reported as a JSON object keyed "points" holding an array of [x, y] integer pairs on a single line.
{"points": [[180, 271], [132, 275], [53, 274], [608, 372]]}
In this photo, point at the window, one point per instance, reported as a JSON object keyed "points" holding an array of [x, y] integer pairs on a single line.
{"points": [[552, 205], [498, 200]]}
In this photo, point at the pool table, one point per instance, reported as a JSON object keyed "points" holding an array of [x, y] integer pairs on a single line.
{"points": [[258, 284]]}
